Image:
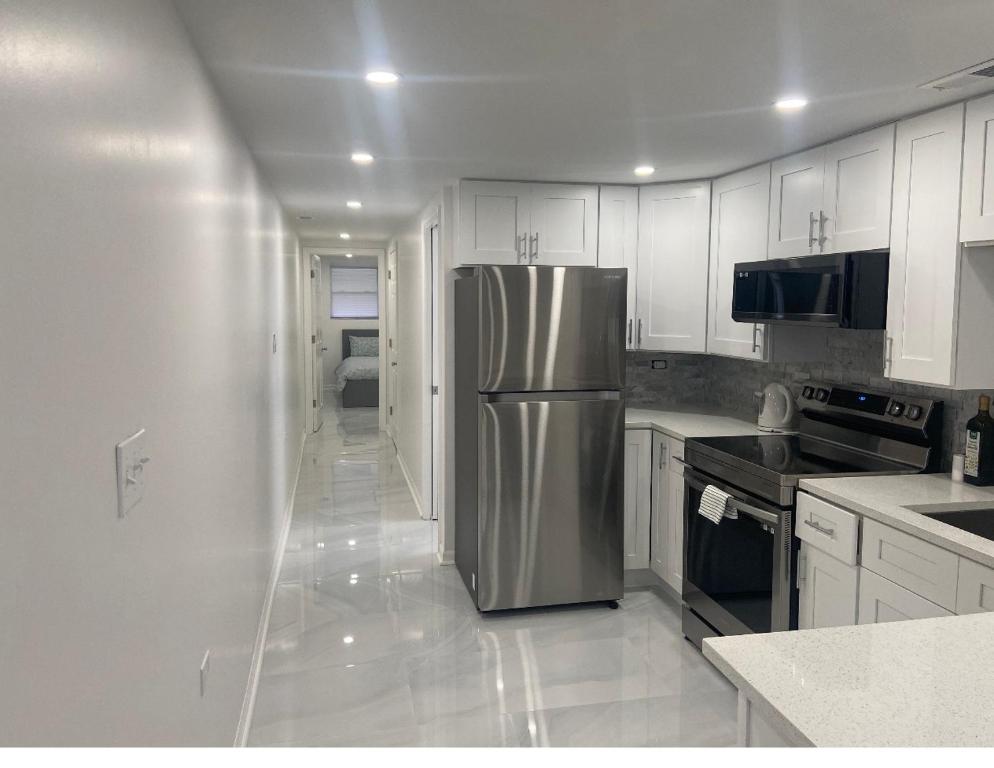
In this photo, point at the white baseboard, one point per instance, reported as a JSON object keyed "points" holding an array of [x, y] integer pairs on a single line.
{"points": [[448, 557], [410, 481], [255, 668]]}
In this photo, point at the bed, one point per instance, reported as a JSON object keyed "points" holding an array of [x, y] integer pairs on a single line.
{"points": [[357, 377]]}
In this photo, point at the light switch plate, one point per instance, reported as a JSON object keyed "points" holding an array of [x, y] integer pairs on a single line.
{"points": [[131, 460]]}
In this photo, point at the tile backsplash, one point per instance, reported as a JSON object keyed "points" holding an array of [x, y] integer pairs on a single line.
{"points": [[728, 384]]}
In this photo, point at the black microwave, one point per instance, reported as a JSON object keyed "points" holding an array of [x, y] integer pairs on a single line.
{"points": [[842, 290]]}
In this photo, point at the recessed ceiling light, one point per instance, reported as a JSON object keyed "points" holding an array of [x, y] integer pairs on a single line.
{"points": [[790, 104], [382, 77], [645, 170], [362, 158], [354, 204], [348, 639], [348, 255], [345, 235]]}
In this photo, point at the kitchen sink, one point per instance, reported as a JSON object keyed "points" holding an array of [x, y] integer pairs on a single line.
{"points": [[976, 521]]}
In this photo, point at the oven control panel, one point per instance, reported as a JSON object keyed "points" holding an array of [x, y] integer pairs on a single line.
{"points": [[902, 410]]}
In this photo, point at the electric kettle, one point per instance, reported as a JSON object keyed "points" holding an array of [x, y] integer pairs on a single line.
{"points": [[777, 412]]}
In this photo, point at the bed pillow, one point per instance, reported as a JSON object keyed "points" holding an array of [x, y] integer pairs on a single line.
{"points": [[364, 346]]}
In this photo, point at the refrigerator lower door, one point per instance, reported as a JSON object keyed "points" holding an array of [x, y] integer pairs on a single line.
{"points": [[550, 501]]}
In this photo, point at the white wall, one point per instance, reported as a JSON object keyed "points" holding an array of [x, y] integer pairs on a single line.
{"points": [[145, 269], [331, 327]]}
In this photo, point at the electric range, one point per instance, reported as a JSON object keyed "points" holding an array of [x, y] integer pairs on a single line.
{"points": [[739, 574]]}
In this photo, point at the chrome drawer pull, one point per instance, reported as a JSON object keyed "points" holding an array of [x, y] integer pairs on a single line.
{"points": [[830, 532]]}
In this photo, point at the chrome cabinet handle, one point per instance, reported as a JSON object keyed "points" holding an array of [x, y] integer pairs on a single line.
{"points": [[888, 352], [830, 532], [640, 332], [811, 229], [755, 344], [629, 331], [822, 237], [533, 251], [520, 245]]}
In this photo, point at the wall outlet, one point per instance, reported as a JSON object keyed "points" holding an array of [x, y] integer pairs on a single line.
{"points": [[131, 461], [659, 365], [205, 668]]}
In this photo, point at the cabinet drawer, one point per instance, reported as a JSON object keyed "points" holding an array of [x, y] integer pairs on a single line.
{"points": [[975, 590], [881, 601], [827, 527], [924, 568]]}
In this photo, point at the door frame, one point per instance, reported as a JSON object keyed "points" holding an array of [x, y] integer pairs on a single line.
{"points": [[305, 258], [432, 404]]}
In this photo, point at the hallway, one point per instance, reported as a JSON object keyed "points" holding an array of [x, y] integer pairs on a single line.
{"points": [[371, 642]]}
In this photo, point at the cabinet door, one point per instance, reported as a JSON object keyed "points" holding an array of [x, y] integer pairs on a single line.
{"points": [[924, 252], [859, 175], [493, 222], [977, 218], [638, 468], [795, 198], [828, 590], [740, 209], [881, 600], [658, 549], [617, 236], [673, 267], [673, 574], [563, 226], [975, 589]]}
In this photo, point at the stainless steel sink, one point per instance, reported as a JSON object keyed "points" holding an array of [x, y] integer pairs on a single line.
{"points": [[976, 521]]}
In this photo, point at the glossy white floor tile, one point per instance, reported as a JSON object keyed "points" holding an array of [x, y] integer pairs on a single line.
{"points": [[372, 643]]}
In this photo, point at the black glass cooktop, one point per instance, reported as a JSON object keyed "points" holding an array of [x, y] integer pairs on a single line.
{"points": [[796, 455]]}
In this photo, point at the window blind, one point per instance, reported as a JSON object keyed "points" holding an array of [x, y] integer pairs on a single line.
{"points": [[353, 292]]}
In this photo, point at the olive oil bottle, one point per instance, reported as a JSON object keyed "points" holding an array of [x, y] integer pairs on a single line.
{"points": [[979, 464]]}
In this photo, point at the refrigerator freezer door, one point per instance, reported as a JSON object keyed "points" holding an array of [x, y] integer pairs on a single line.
{"points": [[550, 502], [547, 329]]}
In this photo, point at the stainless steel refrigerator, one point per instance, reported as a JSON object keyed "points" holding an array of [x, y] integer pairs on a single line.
{"points": [[539, 434]]}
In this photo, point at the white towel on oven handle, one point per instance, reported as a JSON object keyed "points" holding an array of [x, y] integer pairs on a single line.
{"points": [[714, 505]]}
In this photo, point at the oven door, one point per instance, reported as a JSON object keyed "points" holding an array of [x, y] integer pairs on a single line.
{"points": [[737, 574]]}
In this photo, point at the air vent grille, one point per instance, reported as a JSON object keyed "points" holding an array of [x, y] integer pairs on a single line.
{"points": [[978, 73]]}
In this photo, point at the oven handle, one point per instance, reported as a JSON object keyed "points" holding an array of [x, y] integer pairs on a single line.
{"points": [[695, 481]]}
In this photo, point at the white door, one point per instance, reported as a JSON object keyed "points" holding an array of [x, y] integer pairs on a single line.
{"points": [[638, 468], [659, 551], [795, 199], [924, 254], [977, 218], [740, 209], [317, 343], [859, 175], [674, 530], [673, 267], [617, 236], [881, 600], [493, 222], [391, 346], [563, 226], [828, 590]]}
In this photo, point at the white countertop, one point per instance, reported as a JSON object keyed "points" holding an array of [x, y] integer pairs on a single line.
{"points": [[684, 424], [906, 683], [886, 499]]}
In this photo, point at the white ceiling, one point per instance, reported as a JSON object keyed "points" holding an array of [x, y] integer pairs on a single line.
{"points": [[558, 89]]}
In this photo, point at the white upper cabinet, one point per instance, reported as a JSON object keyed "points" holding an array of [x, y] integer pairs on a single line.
{"points": [[795, 199], [563, 226], [493, 222], [618, 242], [924, 255], [673, 267], [522, 223], [834, 198], [857, 197], [977, 218], [740, 206]]}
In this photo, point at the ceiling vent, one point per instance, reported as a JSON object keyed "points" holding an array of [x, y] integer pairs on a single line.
{"points": [[978, 73]]}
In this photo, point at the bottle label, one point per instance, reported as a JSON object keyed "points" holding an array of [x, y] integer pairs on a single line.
{"points": [[971, 462]]}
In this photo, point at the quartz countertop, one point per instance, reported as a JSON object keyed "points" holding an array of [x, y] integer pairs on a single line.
{"points": [[886, 498], [684, 424], [902, 684]]}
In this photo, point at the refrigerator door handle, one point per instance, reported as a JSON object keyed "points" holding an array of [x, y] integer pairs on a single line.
{"points": [[543, 397]]}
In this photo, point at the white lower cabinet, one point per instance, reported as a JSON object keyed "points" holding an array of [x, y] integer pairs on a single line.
{"points": [[638, 485], [881, 600], [828, 590], [666, 549], [975, 590]]}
